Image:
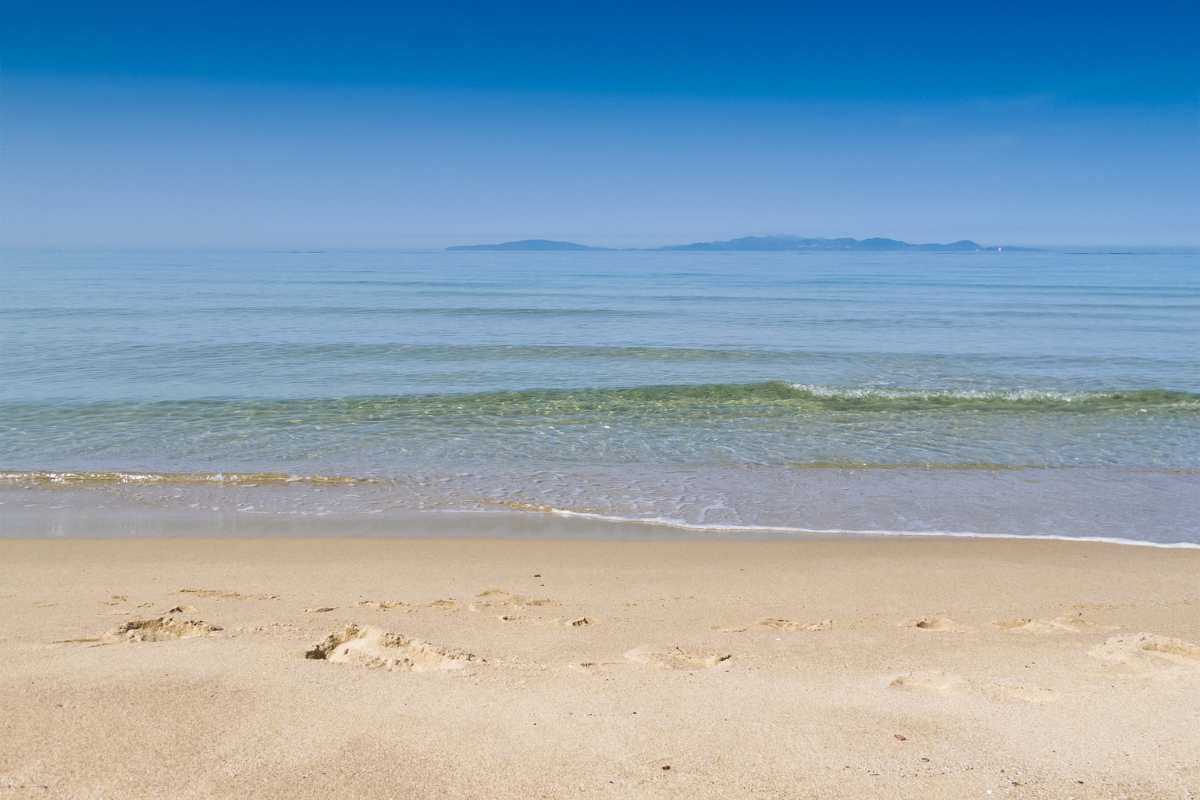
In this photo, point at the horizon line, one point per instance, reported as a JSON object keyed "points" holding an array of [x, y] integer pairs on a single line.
{"points": [[665, 248]]}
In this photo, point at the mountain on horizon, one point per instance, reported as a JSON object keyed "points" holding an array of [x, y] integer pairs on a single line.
{"points": [[755, 244], [789, 243], [527, 245]]}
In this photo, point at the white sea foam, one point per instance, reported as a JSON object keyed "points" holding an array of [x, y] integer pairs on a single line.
{"points": [[1012, 395], [666, 522]]}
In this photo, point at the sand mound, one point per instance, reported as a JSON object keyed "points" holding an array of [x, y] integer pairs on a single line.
{"points": [[676, 658], [377, 649], [159, 629]]}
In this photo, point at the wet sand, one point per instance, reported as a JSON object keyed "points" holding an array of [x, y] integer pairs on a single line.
{"points": [[922, 668]]}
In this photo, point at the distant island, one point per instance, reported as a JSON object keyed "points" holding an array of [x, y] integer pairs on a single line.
{"points": [[758, 244], [785, 243], [527, 244]]}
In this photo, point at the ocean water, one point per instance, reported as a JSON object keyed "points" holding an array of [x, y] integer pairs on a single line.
{"points": [[1033, 394]]}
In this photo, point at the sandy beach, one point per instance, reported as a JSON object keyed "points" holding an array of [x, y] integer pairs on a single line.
{"points": [[408, 668]]}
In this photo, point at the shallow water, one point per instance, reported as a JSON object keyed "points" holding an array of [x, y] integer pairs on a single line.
{"points": [[1015, 393]]}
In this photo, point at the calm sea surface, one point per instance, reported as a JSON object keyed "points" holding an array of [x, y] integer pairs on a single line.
{"points": [[1010, 393]]}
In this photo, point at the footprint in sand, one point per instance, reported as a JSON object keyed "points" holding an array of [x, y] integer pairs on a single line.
{"points": [[934, 623], [373, 648], [778, 624], [382, 605], [952, 684], [159, 629], [221, 594], [1148, 651], [1043, 627], [1005, 690], [499, 598], [446, 604], [284, 629], [676, 658], [935, 681], [575, 622]]}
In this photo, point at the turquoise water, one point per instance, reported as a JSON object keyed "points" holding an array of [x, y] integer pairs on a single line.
{"points": [[1012, 393]]}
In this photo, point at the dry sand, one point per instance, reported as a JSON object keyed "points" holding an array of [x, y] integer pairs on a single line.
{"points": [[404, 668]]}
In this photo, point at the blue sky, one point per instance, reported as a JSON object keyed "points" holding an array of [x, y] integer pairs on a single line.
{"points": [[211, 125]]}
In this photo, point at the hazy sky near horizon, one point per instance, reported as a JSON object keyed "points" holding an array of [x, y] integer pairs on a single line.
{"points": [[627, 124]]}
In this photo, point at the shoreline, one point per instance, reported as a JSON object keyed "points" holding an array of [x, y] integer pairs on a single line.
{"points": [[929, 667], [514, 523], [1159, 508]]}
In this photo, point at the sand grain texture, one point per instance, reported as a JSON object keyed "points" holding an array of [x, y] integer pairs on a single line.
{"points": [[701, 668]]}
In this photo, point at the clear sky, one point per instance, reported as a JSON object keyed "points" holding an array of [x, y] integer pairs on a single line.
{"points": [[393, 125]]}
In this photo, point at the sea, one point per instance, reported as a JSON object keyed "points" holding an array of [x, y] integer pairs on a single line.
{"points": [[606, 393]]}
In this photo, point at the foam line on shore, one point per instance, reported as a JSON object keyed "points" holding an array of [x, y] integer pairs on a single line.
{"points": [[664, 522]]}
